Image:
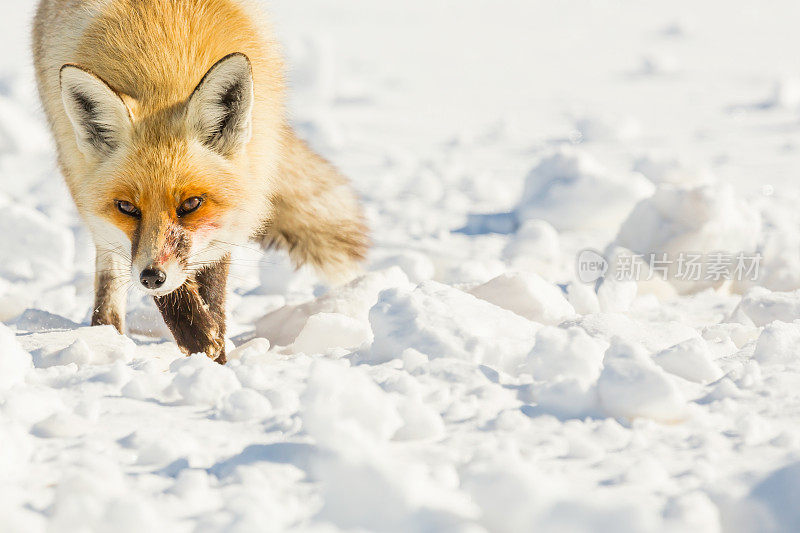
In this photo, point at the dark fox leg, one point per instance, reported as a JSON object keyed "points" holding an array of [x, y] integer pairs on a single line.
{"points": [[316, 216], [195, 312]]}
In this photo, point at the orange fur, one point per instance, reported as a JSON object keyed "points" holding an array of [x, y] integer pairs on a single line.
{"points": [[153, 54]]}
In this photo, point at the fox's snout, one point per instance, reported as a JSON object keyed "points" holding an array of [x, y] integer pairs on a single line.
{"points": [[160, 254]]}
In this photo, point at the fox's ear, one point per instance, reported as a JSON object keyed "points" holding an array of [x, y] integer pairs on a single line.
{"points": [[100, 118], [220, 109]]}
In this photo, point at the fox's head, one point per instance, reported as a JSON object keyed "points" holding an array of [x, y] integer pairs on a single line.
{"points": [[168, 184]]}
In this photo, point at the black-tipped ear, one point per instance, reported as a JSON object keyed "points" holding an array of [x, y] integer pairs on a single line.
{"points": [[101, 120], [220, 109]]}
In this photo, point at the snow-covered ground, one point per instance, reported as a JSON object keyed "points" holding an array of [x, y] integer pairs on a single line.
{"points": [[470, 381]]}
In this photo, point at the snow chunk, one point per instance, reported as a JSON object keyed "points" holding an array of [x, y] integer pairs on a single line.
{"points": [[15, 363], [616, 296], [510, 492], [654, 336], [88, 345], [779, 343], [78, 352], [60, 425], [527, 295], [566, 398], [632, 386], [565, 364], [763, 306], [354, 300], [253, 347], [36, 320], [200, 381], [572, 191], [690, 359], [567, 352], [33, 246], [420, 421], [445, 322], [365, 492], [703, 219], [535, 247], [583, 298], [324, 331], [244, 404], [149, 382], [342, 406]]}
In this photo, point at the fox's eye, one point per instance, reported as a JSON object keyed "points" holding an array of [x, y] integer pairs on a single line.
{"points": [[189, 205], [127, 208]]}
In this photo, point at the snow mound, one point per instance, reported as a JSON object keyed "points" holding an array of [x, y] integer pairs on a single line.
{"points": [[563, 186], [690, 359], [364, 493], [527, 295], [87, 345], [763, 306], [698, 220], [244, 404], [779, 343], [565, 364], [441, 321], [253, 347], [283, 326], [78, 352], [534, 247], [323, 331], [342, 407], [200, 381], [510, 493], [583, 298], [565, 353], [632, 385], [60, 425], [654, 336]]}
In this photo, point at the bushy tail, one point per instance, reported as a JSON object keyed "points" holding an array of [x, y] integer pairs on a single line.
{"points": [[316, 217]]}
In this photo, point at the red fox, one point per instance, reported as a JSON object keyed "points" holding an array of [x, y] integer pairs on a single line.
{"points": [[172, 137]]}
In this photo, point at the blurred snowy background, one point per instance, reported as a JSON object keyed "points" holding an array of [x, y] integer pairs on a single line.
{"points": [[469, 382]]}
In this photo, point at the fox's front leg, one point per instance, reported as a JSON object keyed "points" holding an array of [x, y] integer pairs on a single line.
{"points": [[110, 289], [195, 312]]}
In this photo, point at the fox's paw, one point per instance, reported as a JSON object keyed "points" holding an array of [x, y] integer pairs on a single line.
{"points": [[195, 327]]}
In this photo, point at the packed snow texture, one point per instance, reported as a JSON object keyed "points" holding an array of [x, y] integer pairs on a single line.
{"points": [[468, 380]]}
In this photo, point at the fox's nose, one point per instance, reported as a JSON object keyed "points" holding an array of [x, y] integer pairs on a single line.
{"points": [[152, 278]]}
